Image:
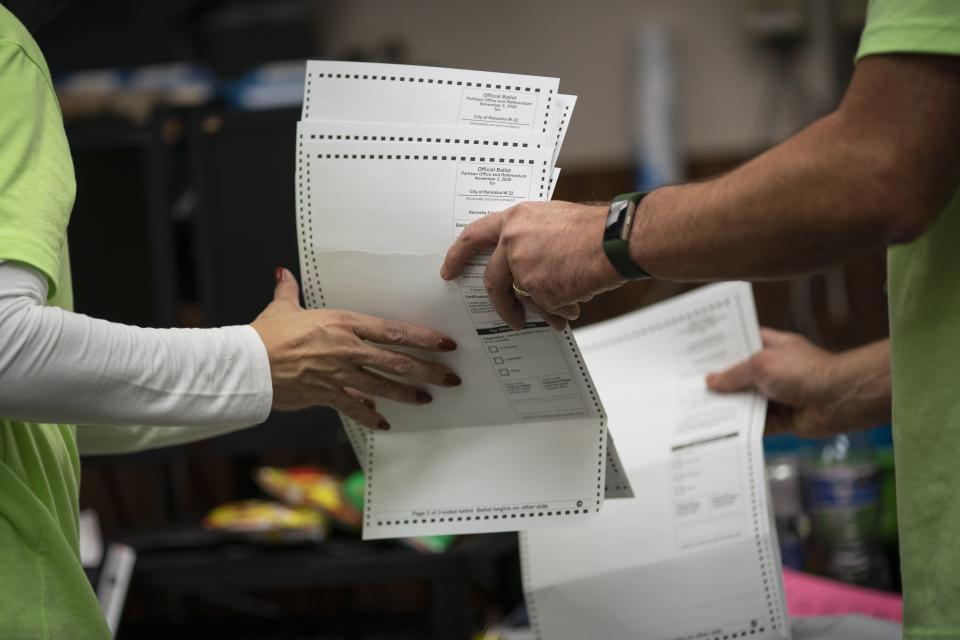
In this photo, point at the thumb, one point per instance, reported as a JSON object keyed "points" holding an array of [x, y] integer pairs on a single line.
{"points": [[736, 378], [287, 289]]}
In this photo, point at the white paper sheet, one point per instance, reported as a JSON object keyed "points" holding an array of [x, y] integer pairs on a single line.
{"points": [[694, 554], [523, 442], [372, 92]]}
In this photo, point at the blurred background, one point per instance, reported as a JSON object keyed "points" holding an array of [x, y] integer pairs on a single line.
{"points": [[181, 118]]}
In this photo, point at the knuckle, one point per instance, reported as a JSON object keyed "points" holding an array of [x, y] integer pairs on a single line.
{"points": [[401, 365], [393, 331]]}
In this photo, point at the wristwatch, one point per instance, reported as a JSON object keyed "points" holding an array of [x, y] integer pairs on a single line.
{"points": [[616, 235]]}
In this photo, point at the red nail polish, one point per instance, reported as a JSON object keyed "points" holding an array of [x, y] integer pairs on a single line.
{"points": [[452, 380], [383, 425], [278, 274], [423, 397], [447, 345]]}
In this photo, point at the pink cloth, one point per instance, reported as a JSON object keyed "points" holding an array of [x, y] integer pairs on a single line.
{"points": [[809, 595]]}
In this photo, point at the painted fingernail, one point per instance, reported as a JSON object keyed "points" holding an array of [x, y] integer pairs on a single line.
{"points": [[278, 274], [452, 380], [447, 344], [383, 425], [423, 397]]}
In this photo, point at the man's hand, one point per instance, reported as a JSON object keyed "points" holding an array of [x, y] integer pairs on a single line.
{"points": [[813, 392], [330, 357], [551, 250]]}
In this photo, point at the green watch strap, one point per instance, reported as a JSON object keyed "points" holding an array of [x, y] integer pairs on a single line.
{"points": [[616, 235]]}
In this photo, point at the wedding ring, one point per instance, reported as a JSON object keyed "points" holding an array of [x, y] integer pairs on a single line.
{"points": [[520, 292]]}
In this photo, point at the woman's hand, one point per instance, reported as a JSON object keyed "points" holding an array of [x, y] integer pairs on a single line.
{"points": [[814, 392], [328, 357]]}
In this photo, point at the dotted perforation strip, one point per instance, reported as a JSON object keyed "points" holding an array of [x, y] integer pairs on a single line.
{"points": [[429, 139], [733, 635], [594, 398], [764, 552], [416, 79], [662, 324], [527, 587], [313, 291], [401, 156], [355, 435], [459, 83], [612, 462], [532, 515], [561, 129]]}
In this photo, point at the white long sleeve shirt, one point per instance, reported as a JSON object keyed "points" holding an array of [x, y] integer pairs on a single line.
{"points": [[63, 367]]}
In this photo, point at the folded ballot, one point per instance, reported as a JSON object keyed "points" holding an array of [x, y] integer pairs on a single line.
{"points": [[694, 554], [393, 161]]}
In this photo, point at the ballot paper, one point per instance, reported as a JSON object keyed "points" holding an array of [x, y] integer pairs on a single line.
{"points": [[694, 554], [392, 163], [407, 94]]}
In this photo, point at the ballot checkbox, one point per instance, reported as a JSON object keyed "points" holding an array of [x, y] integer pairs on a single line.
{"points": [[494, 349], [504, 372], [498, 360]]}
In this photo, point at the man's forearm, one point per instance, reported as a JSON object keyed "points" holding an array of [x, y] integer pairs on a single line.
{"points": [[876, 171], [800, 207], [861, 378]]}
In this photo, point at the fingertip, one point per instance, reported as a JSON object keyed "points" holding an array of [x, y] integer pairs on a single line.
{"points": [[452, 380], [713, 381]]}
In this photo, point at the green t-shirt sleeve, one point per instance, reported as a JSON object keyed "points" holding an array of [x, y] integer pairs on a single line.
{"points": [[37, 185], [911, 26]]}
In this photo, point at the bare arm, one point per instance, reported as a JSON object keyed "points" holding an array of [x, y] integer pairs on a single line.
{"points": [[814, 392], [876, 171]]}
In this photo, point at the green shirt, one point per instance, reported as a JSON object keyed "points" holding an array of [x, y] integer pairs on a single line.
{"points": [[924, 298], [43, 590]]}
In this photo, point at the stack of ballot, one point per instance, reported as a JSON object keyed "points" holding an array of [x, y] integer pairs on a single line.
{"points": [[393, 161]]}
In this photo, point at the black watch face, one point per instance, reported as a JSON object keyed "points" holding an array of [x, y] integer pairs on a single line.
{"points": [[615, 219]]}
